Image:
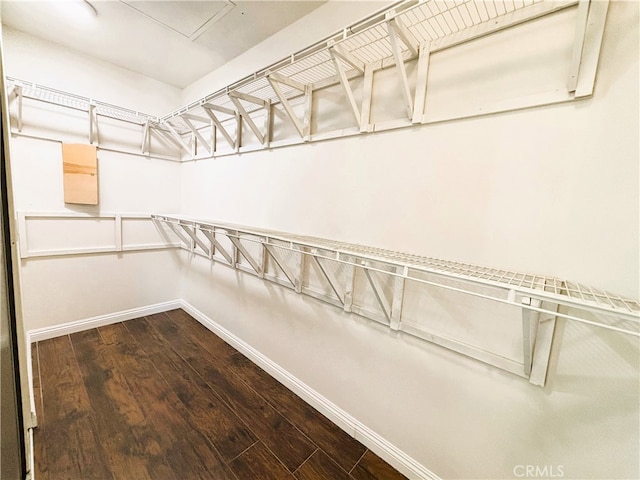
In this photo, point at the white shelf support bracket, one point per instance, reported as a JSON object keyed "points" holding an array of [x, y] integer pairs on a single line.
{"points": [[174, 136], [338, 51], [234, 253], [238, 131], [350, 287], [247, 118], [216, 246], [542, 345], [405, 35], [421, 82], [378, 292], [537, 337], [174, 227], [91, 120], [578, 44], [330, 280], [194, 145], [308, 112], [187, 120], [18, 91], [190, 239], [285, 270], [93, 125], [212, 247], [530, 319], [236, 98], [279, 78], [191, 231], [591, 49], [197, 137], [96, 125], [145, 146], [275, 79], [367, 96], [245, 253], [344, 82], [398, 297], [209, 110], [263, 256], [394, 38], [301, 269], [268, 122]]}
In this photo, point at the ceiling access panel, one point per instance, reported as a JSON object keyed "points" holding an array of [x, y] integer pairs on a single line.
{"points": [[248, 23], [187, 18]]}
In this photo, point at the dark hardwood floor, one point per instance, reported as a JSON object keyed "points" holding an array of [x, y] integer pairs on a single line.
{"points": [[161, 397]]}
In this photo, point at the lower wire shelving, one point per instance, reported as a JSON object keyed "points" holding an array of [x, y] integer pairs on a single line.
{"points": [[289, 260]]}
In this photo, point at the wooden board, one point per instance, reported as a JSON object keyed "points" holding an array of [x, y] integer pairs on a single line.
{"points": [[80, 173]]}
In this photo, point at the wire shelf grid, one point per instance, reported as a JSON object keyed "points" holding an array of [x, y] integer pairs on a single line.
{"points": [[70, 100], [613, 311], [48, 95]]}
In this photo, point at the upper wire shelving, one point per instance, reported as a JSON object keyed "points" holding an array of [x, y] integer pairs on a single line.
{"points": [[61, 98], [407, 31], [390, 37]]}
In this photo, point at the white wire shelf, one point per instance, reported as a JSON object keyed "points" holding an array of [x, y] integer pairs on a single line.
{"points": [[437, 23], [612, 311], [41, 93]]}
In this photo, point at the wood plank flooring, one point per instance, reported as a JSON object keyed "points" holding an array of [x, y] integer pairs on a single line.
{"points": [[161, 397]]}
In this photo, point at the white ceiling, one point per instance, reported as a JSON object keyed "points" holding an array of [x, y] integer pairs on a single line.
{"points": [[174, 41]]}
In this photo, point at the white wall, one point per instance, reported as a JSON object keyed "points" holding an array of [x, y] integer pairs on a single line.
{"points": [[35, 60], [551, 190], [58, 290]]}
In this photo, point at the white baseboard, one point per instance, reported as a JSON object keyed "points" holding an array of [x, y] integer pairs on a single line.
{"points": [[377, 444], [45, 333]]}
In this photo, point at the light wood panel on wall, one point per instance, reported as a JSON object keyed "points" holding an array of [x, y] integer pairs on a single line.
{"points": [[80, 173]]}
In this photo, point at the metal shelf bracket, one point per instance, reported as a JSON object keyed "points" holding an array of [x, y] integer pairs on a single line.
{"points": [[537, 337], [236, 97], [94, 135], [210, 110], [276, 80], [398, 33], [407, 31]]}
